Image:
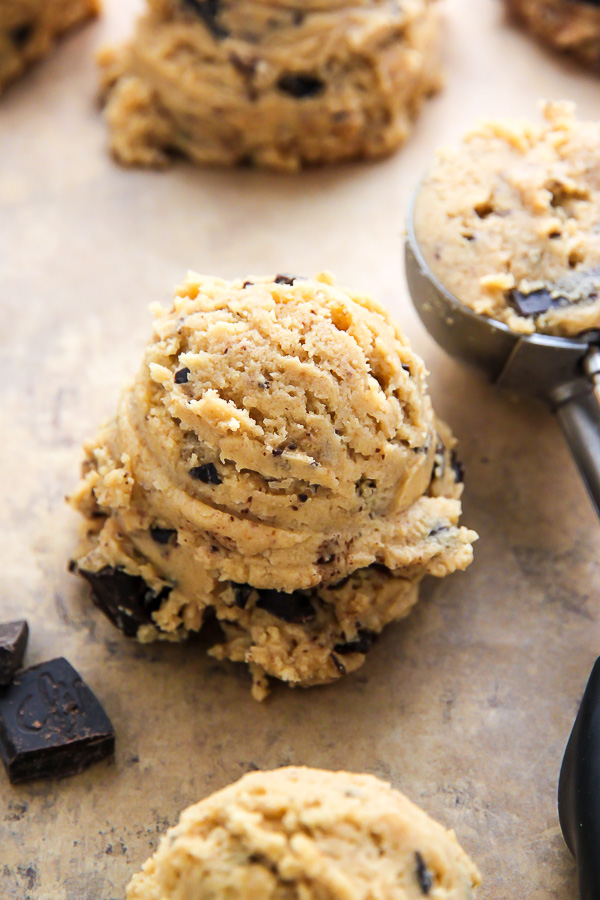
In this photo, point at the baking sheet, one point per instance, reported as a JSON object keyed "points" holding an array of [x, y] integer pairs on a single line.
{"points": [[468, 704]]}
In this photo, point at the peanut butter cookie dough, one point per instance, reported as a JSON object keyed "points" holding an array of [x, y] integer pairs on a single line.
{"points": [[306, 833], [272, 83], [572, 26], [276, 464], [508, 222], [30, 28]]}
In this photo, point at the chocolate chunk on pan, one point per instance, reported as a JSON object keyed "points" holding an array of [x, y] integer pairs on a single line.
{"points": [[13, 643], [125, 599], [51, 724]]}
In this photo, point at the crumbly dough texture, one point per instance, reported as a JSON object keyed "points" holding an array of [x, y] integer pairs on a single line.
{"points": [[270, 82], [572, 26], [275, 463], [309, 834], [508, 221], [30, 28]]}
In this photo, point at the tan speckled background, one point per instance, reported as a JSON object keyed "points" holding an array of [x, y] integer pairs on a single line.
{"points": [[467, 706]]}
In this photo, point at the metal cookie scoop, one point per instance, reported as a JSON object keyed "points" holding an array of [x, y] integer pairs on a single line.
{"points": [[562, 372], [579, 790]]}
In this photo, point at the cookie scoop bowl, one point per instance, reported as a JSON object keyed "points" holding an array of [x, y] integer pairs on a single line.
{"points": [[562, 372], [276, 461]]}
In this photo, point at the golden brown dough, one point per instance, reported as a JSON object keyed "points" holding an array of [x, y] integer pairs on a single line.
{"points": [[275, 463], [30, 28], [572, 26], [270, 82], [309, 834]]}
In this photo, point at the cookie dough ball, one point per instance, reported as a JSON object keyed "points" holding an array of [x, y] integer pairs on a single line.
{"points": [[270, 82], [306, 833], [29, 29], [276, 464], [508, 221], [572, 26]]}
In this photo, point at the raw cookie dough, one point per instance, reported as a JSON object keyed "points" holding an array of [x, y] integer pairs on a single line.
{"points": [[29, 29], [273, 83], [569, 25], [508, 222], [275, 464], [310, 834]]}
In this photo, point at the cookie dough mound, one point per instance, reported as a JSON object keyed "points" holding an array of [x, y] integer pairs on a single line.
{"points": [[572, 26], [275, 464], [306, 833], [270, 82], [29, 29], [508, 222]]}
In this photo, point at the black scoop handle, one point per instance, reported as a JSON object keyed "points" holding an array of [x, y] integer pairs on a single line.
{"points": [[579, 790]]}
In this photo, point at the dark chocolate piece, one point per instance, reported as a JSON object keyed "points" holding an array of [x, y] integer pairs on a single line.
{"points": [[241, 593], [457, 467], [206, 473], [162, 535], [208, 11], [362, 643], [301, 87], [285, 279], [295, 608], [21, 34], [181, 376], [51, 724], [424, 876], [533, 304], [13, 642], [125, 599], [338, 664]]}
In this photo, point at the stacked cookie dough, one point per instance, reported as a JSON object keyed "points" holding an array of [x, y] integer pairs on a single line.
{"points": [[270, 82], [306, 833], [508, 222], [572, 26], [276, 464], [29, 29]]}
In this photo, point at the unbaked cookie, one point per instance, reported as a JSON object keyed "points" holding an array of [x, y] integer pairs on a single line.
{"points": [[310, 834], [272, 83], [572, 26], [508, 221], [275, 464], [29, 29]]}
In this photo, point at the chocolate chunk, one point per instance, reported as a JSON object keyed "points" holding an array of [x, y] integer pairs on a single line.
{"points": [[424, 876], [162, 535], [533, 304], [181, 376], [338, 663], [285, 279], [207, 473], [362, 643], [51, 724], [457, 468], [208, 11], [302, 498], [13, 641], [247, 284], [125, 599], [301, 86], [294, 608], [439, 530], [241, 593], [21, 34]]}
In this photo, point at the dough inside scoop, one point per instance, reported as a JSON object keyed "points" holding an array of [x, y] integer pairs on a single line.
{"points": [[509, 222], [275, 467]]}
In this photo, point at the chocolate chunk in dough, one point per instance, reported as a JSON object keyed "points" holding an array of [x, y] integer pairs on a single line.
{"points": [[206, 473], [301, 86], [362, 643], [294, 607], [208, 11], [13, 643], [125, 599], [51, 724], [162, 535]]}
